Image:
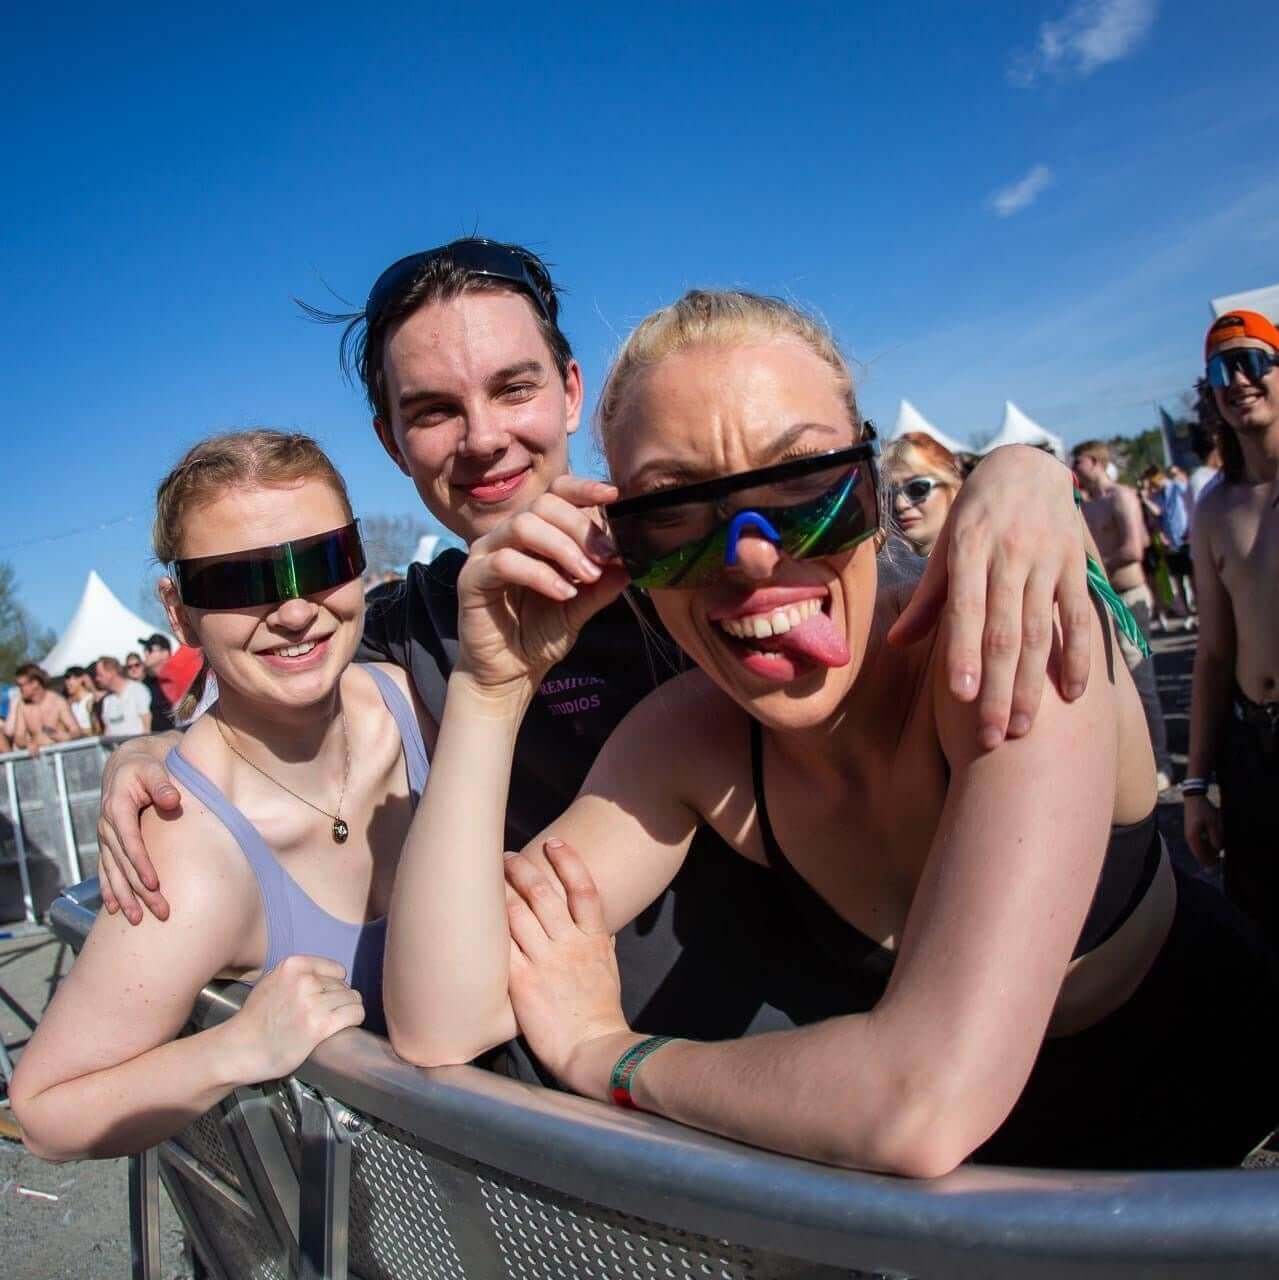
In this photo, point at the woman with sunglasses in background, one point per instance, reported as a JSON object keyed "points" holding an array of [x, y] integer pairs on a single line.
{"points": [[297, 790], [923, 478], [962, 905]]}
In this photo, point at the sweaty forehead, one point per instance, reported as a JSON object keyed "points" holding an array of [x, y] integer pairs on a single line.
{"points": [[447, 346], [717, 409]]}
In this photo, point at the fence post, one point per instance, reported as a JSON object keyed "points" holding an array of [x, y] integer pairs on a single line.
{"points": [[325, 1191], [144, 1214], [19, 841], [68, 831]]}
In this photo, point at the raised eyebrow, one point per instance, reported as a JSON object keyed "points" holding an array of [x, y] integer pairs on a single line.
{"points": [[516, 370]]}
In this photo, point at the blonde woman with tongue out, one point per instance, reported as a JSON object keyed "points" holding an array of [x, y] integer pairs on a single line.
{"points": [[1001, 961]]}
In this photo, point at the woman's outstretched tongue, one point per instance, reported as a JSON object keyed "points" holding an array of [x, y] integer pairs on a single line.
{"points": [[817, 639]]}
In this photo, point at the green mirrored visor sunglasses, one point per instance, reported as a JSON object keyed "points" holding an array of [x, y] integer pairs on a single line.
{"points": [[268, 575], [686, 537]]}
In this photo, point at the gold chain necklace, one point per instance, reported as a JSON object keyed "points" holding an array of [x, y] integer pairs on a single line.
{"points": [[340, 829]]}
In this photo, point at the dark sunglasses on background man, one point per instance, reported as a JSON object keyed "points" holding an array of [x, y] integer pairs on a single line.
{"points": [[1253, 363], [476, 257], [686, 537], [269, 575]]}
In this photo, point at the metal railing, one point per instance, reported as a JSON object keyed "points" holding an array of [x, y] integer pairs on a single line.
{"points": [[48, 823], [361, 1166]]}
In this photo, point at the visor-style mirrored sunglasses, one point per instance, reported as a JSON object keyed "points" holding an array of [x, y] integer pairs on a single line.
{"points": [[915, 490], [476, 257], [686, 537], [268, 575], [1251, 362]]}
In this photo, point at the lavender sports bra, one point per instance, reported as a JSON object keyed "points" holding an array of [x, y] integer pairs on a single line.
{"points": [[295, 925]]}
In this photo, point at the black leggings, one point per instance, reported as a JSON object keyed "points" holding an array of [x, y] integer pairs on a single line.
{"points": [[1180, 1077]]}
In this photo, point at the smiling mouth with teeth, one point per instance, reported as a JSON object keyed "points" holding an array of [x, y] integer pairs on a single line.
{"points": [[777, 623], [293, 650]]}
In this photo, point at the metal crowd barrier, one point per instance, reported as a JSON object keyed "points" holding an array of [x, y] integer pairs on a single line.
{"points": [[361, 1166], [48, 821]]}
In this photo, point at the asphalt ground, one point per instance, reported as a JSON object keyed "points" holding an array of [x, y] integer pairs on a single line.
{"points": [[82, 1232], [61, 1221]]}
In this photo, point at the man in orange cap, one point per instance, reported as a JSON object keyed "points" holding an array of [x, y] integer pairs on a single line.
{"points": [[1234, 714]]}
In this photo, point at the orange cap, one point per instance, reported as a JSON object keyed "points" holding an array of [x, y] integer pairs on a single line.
{"points": [[1240, 324]]}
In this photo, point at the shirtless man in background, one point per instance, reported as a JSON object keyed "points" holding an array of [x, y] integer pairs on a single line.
{"points": [[42, 717], [1113, 513], [1234, 707]]}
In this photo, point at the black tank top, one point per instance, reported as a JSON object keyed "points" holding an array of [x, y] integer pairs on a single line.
{"points": [[1132, 858]]}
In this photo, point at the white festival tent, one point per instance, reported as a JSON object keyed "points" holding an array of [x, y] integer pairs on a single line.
{"points": [[1264, 300], [1018, 428], [101, 626], [910, 419]]}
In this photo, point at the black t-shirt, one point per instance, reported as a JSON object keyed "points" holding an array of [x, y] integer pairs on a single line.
{"points": [[161, 708], [716, 955]]}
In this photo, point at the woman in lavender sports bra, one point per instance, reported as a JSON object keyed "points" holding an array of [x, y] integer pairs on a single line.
{"points": [[297, 786]]}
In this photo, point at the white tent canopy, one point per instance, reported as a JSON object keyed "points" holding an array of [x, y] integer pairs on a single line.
{"points": [[1264, 300], [910, 419], [1018, 428], [101, 626]]}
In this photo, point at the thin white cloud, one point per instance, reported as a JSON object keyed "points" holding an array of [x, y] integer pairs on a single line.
{"points": [[1021, 194], [1089, 35], [1069, 351]]}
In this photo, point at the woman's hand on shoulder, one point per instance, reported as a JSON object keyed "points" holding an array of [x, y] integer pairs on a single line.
{"points": [[1012, 551], [302, 1002], [530, 585]]}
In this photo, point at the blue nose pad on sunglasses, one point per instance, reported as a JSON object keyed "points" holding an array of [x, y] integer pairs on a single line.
{"points": [[742, 521]]}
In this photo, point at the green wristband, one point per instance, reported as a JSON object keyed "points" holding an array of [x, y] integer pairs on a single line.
{"points": [[619, 1083]]}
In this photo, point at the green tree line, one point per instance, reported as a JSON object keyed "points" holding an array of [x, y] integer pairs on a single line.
{"points": [[22, 639]]}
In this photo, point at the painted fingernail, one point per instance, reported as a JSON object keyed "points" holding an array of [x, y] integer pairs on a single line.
{"points": [[1019, 724]]}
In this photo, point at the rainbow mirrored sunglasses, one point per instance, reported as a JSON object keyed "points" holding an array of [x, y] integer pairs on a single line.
{"points": [[269, 575], [686, 537]]}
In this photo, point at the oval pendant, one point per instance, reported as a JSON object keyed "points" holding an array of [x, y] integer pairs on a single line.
{"points": [[340, 831]]}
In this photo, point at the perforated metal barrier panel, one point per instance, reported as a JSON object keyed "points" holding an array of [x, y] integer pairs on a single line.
{"points": [[398, 1228], [361, 1166]]}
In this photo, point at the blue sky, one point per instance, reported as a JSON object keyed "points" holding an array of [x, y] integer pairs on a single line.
{"points": [[1028, 200]]}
